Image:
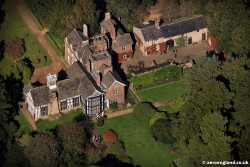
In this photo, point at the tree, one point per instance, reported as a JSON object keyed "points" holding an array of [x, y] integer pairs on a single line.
{"points": [[43, 150], [210, 143], [15, 49], [170, 10], [144, 111], [74, 141], [187, 8], [241, 40], [109, 136], [162, 131], [156, 117], [181, 42]]}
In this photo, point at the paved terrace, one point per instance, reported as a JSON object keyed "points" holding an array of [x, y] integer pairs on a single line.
{"points": [[192, 51]]}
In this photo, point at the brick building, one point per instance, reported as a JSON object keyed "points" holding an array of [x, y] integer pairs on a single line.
{"points": [[121, 43], [153, 36]]}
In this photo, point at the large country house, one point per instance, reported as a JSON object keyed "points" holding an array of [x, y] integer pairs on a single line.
{"points": [[154, 36], [93, 93]]}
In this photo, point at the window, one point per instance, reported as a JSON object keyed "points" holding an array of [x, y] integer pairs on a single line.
{"points": [[148, 42], [157, 40], [52, 83], [44, 111], [116, 101], [64, 105], [123, 48], [115, 92], [76, 102], [190, 40], [124, 56], [203, 36], [115, 85]]}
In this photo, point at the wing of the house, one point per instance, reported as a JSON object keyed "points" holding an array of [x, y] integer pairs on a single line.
{"points": [[114, 87], [38, 100], [155, 37]]}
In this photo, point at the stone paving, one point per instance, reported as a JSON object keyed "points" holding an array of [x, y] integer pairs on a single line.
{"points": [[193, 51]]}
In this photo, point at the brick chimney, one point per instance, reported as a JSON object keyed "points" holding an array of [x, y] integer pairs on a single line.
{"points": [[85, 30], [107, 16]]}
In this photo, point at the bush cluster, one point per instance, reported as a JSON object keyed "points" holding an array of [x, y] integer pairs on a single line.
{"points": [[100, 122], [144, 111], [109, 136]]}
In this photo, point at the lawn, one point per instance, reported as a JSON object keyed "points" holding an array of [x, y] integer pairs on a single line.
{"points": [[163, 92], [13, 26], [44, 125], [167, 108], [25, 127], [138, 141]]}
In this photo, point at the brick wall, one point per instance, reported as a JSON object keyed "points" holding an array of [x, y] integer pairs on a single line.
{"points": [[138, 40], [120, 97], [128, 52]]}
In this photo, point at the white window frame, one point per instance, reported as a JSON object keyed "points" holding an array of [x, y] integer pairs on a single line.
{"points": [[123, 48], [115, 92], [124, 56]]}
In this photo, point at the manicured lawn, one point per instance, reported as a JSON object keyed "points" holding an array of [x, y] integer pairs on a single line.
{"points": [[25, 127], [44, 125], [13, 26], [162, 92], [138, 141], [167, 108]]}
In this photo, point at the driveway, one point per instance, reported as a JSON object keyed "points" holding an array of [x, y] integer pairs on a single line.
{"points": [[57, 63]]}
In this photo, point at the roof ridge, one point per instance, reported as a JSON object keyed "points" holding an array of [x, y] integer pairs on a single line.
{"points": [[181, 20]]}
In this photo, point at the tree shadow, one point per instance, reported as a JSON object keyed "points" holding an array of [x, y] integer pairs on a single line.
{"points": [[111, 161], [2, 12], [2, 44]]}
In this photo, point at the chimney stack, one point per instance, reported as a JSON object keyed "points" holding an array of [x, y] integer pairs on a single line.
{"points": [[85, 30], [157, 23], [107, 16]]}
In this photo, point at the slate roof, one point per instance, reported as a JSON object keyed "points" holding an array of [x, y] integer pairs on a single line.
{"points": [[40, 95], [79, 82], [110, 77], [27, 88], [173, 28], [75, 38], [123, 40], [74, 70], [110, 23]]}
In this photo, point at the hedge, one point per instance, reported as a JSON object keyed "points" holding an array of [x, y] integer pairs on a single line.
{"points": [[164, 74]]}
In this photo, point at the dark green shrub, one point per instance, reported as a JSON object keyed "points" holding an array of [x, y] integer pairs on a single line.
{"points": [[162, 131], [113, 106], [144, 111], [100, 122]]}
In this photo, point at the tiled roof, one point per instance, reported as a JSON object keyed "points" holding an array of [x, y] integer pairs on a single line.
{"points": [[110, 23], [79, 85], [173, 28], [75, 38], [123, 40], [40, 95], [110, 77]]}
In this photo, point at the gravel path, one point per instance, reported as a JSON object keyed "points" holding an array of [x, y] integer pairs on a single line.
{"points": [[57, 63]]}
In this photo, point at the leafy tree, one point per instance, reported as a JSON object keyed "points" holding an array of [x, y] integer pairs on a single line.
{"points": [[210, 143], [43, 150], [177, 104], [170, 10], [162, 131], [74, 141], [187, 8], [241, 39], [117, 149], [144, 111], [156, 117], [181, 42], [15, 49]]}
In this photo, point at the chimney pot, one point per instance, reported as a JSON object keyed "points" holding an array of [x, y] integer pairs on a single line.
{"points": [[107, 16], [85, 30]]}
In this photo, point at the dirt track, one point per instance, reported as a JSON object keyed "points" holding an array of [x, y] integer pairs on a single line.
{"points": [[155, 11], [57, 63]]}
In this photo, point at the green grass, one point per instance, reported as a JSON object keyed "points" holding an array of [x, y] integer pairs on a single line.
{"points": [[131, 98], [44, 125], [138, 141], [25, 127], [13, 26], [162, 92], [58, 48], [168, 108]]}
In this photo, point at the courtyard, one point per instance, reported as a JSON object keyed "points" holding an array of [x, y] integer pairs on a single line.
{"points": [[192, 51]]}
